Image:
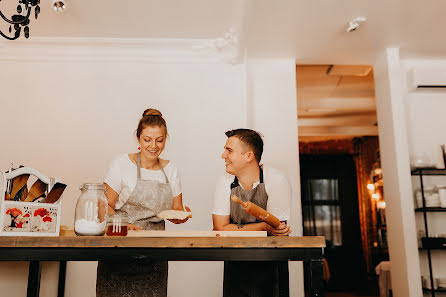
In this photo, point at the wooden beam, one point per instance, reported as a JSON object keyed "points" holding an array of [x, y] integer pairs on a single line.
{"points": [[348, 120], [338, 131], [349, 70], [340, 104]]}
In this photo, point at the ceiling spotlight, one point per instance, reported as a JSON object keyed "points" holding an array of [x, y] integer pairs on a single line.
{"points": [[59, 5], [355, 23]]}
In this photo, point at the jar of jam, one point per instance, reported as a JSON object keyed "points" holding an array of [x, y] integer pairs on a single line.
{"points": [[117, 224]]}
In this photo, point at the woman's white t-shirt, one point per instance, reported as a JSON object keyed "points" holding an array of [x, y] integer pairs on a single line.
{"points": [[122, 176]]}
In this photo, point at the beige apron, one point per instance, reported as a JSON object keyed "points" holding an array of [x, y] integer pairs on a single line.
{"points": [[249, 279], [139, 278]]}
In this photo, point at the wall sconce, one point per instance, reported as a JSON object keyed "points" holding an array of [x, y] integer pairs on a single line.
{"points": [[371, 187], [375, 196], [381, 205]]}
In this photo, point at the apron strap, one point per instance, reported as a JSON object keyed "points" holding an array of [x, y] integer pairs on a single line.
{"points": [[235, 183], [165, 175], [138, 164], [261, 175]]}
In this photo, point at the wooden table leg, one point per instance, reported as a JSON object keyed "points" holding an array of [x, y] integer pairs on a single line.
{"points": [[315, 278], [34, 270], [62, 275]]}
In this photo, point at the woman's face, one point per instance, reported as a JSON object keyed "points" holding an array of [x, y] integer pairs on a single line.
{"points": [[152, 141]]}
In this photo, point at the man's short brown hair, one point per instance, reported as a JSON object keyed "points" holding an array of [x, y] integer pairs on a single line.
{"points": [[250, 138]]}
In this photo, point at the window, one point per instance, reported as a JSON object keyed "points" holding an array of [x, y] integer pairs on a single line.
{"points": [[321, 210]]}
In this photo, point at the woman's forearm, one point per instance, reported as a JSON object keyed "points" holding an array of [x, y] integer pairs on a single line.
{"points": [[178, 203], [110, 210]]}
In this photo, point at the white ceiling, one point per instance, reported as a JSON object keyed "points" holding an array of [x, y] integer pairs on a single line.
{"points": [[131, 18], [312, 31], [316, 30]]}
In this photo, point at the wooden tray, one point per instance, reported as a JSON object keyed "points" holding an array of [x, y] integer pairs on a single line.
{"points": [[182, 233]]}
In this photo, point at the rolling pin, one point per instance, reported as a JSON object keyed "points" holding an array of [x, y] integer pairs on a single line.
{"points": [[257, 211]]}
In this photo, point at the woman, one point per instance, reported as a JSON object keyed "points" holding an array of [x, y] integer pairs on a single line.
{"points": [[141, 185]]}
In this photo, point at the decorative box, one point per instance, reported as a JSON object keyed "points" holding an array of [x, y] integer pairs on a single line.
{"points": [[19, 218]]}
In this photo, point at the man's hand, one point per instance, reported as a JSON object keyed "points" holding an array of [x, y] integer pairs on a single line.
{"points": [[282, 230], [133, 227]]}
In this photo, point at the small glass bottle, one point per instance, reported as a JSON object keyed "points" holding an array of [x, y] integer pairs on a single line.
{"points": [[117, 224], [91, 210]]}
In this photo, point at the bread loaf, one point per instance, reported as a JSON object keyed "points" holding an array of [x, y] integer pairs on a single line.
{"points": [[174, 214]]}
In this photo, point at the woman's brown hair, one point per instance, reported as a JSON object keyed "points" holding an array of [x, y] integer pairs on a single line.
{"points": [[151, 118]]}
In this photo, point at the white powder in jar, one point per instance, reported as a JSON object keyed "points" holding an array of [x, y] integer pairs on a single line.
{"points": [[85, 227]]}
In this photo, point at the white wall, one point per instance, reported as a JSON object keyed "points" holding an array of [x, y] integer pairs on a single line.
{"points": [[272, 109], [426, 124], [69, 119], [391, 106], [411, 124]]}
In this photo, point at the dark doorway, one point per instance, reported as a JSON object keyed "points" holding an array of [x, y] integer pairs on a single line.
{"points": [[330, 209]]}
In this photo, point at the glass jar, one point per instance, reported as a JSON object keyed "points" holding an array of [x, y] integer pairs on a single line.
{"points": [[429, 191], [117, 224], [442, 194], [91, 210]]}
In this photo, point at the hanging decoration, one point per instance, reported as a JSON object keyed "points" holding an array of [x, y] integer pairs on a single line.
{"points": [[21, 20]]}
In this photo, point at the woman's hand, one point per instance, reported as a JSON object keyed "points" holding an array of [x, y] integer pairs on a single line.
{"points": [[180, 221], [133, 227], [282, 230]]}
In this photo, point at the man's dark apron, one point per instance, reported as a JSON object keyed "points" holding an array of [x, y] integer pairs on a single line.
{"points": [[250, 279], [139, 278]]}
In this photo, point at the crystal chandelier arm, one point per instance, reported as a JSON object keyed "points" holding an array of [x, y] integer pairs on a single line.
{"points": [[17, 35], [19, 21]]}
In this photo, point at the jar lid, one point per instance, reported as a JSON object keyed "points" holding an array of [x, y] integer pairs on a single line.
{"points": [[93, 186]]}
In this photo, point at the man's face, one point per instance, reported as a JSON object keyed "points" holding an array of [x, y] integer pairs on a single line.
{"points": [[235, 155]]}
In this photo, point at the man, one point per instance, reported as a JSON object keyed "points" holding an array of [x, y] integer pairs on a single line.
{"points": [[266, 187]]}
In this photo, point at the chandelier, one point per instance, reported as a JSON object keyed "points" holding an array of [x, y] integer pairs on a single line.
{"points": [[21, 19]]}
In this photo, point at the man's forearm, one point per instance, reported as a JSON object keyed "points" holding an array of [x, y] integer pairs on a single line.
{"points": [[247, 227]]}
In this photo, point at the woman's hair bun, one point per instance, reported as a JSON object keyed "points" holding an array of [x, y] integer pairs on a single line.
{"points": [[152, 112]]}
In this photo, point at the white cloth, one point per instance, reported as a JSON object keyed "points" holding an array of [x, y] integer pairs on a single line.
{"points": [[384, 280], [276, 185], [382, 266], [121, 177]]}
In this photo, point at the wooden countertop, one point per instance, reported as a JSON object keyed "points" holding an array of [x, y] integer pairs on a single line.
{"points": [[162, 242]]}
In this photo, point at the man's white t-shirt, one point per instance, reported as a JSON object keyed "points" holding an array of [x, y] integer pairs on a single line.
{"points": [[122, 176], [276, 185]]}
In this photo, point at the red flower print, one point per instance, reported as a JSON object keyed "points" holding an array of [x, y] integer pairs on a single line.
{"points": [[47, 219], [41, 212], [26, 216], [15, 212], [19, 225]]}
